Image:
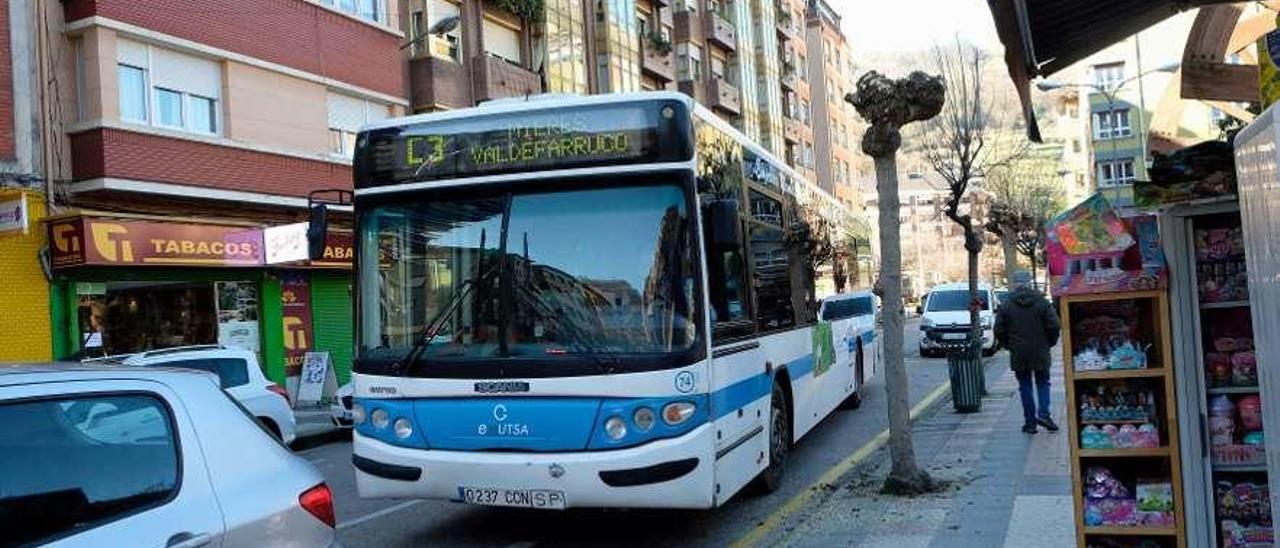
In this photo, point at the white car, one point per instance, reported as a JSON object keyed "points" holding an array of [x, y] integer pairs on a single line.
{"points": [[125, 456], [340, 409], [241, 377], [944, 319]]}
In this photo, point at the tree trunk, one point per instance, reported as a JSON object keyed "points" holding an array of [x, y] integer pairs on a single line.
{"points": [[1010, 256], [905, 476]]}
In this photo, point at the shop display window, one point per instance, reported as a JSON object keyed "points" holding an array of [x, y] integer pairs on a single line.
{"points": [[126, 317]]}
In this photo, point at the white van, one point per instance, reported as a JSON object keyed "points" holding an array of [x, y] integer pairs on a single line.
{"points": [[944, 318], [853, 328]]}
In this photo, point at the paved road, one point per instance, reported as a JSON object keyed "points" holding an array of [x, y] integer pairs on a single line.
{"points": [[419, 523]]}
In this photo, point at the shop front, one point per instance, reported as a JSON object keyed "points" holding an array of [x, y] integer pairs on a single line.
{"points": [[125, 285]]}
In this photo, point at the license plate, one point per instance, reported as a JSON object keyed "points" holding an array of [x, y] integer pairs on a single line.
{"points": [[545, 499], [955, 336]]}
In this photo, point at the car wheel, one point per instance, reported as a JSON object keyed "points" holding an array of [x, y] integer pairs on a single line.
{"points": [[271, 427], [779, 443]]}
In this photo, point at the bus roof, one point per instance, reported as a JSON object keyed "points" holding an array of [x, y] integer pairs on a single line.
{"points": [[531, 102]]}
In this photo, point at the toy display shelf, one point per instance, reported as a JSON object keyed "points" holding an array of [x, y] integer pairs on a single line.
{"points": [[1153, 327]]}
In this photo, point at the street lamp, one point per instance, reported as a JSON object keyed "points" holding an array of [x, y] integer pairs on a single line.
{"points": [[1109, 91]]}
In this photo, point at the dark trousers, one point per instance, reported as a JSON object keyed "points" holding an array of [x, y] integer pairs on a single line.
{"points": [[1030, 411]]}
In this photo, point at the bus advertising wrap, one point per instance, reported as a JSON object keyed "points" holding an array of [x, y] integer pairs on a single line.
{"points": [[560, 138]]}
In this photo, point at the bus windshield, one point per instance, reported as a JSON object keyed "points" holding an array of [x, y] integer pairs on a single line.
{"points": [[527, 277]]}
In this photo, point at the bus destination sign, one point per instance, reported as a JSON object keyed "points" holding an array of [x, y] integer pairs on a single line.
{"points": [[525, 141]]}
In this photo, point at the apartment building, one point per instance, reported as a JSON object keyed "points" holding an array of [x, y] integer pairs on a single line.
{"points": [[181, 130], [746, 60], [25, 327], [797, 98], [1123, 86], [832, 71]]}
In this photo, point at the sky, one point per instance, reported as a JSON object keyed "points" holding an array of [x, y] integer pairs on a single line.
{"points": [[880, 26]]}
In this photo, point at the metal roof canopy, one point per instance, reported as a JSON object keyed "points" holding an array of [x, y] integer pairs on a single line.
{"points": [[1042, 37]]}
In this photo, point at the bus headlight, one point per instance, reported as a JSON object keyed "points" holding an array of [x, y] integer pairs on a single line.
{"points": [[615, 428], [357, 413], [403, 428], [678, 412], [644, 419], [379, 418]]}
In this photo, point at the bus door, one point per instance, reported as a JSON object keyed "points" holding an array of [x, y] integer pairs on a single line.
{"points": [[740, 405]]}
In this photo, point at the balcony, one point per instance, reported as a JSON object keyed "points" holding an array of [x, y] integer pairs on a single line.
{"points": [[788, 78], [655, 62], [723, 96], [791, 129], [494, 78], [688, 27], [694, 89], [435, 82], [721, 32], [784, 22]]}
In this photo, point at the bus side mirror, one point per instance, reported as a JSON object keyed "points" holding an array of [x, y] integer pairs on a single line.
{"points": [[724, 228], [317, 229]]}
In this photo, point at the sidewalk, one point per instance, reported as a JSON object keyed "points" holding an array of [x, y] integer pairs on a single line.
{"points": [[1007, 488]]}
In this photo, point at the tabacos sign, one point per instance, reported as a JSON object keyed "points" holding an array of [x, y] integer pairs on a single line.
{"points": [[89, 241]]}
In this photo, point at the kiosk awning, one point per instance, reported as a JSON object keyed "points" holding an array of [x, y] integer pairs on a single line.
{"points": [[1042, 37]]}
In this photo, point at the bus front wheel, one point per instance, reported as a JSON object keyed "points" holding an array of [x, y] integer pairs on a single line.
{"points": [[779, 442], [854, 400]]}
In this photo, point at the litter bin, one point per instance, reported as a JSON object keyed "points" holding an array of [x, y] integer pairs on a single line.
{"points": [[964, 364]]}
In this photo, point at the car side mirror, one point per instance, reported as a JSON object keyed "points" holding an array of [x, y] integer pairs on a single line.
{"points": [[723, 224]]}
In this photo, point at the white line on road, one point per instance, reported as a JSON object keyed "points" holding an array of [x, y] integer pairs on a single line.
{"points": [[522, 544], [378, 514]]}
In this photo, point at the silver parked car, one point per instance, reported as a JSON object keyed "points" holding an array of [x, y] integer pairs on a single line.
{"points": [[152, 457]]}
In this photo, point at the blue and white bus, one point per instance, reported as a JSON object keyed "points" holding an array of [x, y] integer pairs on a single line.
{"points": [[601, 301]]}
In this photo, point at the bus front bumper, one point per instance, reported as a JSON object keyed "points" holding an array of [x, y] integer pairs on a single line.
{"points": [[670, 473]]}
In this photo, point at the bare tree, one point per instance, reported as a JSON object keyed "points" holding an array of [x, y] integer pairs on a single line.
{"points": [[961, 149], [889, 104], [1026, 193]]}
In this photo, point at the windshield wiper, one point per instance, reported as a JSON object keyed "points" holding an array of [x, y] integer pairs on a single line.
{"points": [[410, 359]]}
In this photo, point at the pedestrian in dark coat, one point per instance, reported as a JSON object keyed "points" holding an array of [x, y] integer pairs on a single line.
{"points": [[1028, 326]]}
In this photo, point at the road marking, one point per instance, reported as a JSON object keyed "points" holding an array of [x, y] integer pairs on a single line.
{"points": [[379, 513], [832, 474], [522, 544]]}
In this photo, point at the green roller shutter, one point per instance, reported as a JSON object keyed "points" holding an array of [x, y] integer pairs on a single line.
{"points": [[331, 318]]}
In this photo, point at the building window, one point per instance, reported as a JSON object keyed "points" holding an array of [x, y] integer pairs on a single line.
{"points": [[369, 10], [133, 93], [167, 88], [802, 68], [502, 41], [1108, 75], [687, 5], [1115, 173], [168, 108], [688, 61], [346, 116], [1112, 125], [717, 68], [1075, 146], [448, 46]]}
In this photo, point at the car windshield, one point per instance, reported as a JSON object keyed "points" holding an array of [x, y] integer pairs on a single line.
{"points": [[953, 300], [502, 276]]}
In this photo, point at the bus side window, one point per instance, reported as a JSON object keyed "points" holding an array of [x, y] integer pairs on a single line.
{"points": [[770, 263]]}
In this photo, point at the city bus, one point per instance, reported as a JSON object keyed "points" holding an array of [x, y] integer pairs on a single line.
{"points": [[599, 301]]}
